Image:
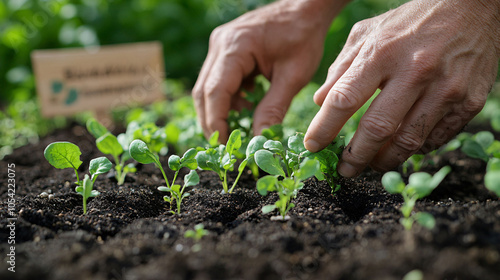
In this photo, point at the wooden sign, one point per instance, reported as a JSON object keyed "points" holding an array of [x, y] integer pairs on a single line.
{"points": [[74, 80]]}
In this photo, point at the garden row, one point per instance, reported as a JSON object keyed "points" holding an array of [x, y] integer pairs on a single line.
{"points": [[286, 162]]}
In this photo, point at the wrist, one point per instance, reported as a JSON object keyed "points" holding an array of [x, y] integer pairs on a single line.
{"points": [[488, 12], [321, 12]]}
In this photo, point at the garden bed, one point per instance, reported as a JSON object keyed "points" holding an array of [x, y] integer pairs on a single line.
{"points": [[128, 232]]}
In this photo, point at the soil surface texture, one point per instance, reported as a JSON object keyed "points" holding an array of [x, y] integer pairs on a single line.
{"points": [[129, 233]]}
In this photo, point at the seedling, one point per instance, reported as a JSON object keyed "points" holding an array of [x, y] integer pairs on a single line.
{"points": [[63, 155], [287, 168], [196, 234], [177, 193], [420, 185], [109, 144], [222, 159], [154, 137], [328, 159], [141, 153], [97, 166]]}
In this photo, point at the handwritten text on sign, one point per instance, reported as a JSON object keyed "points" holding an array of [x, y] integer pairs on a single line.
{"points": [[74, 80]]}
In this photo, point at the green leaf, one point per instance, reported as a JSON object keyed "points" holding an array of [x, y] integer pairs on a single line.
{"points": [[234, 142], [87, 186], [266, 183], [173, 133], [420, 183], [493, 165], [393, 182], [267, 162], [191, 179], [214, 139], [174, 162], [451, 146], [96, 128], [274, 132], [189, 154], [268, 208], [63, 155], [257, 143], [99, 165], [439, 176], [484, 138], [296, 143], [242, 165], [108, 144], [141, 153], [425, 219], [191, 163], [307, 168], [492, 181], [474, 150], [163, 189], [274, 146]]}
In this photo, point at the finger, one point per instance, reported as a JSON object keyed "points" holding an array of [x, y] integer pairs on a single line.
{"points": [[348, 94], [411, 133], [222, 84], [377, 126], [273, 107], [199, 94], [338, 67]]}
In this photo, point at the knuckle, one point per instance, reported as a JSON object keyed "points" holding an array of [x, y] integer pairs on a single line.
{"points": [[474, 105], [274, 114], [378, 128], [408, 142], [423, 66], [343, 97]]}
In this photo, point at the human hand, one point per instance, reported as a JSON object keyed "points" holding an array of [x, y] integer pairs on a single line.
{"points": [[435, 62], [283, 41]]}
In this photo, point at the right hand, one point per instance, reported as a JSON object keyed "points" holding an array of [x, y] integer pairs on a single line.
{"points": [[282, 41]]}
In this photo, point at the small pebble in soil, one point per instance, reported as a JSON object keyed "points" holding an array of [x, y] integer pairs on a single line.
{"points": [[179, 247], [51, 196], [44, 195]]}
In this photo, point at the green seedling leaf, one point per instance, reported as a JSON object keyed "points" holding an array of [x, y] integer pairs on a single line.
{"points": [[108, 144], [274, 146], [420, 184], [451, 146], [296, 143], [307, 169], [234, 142], [494, 149], [99, 165], [141, 153], [268, 208], [173, 132], [493, 165], [266, 183], [474, 150], [267, 162], [439, 176], [174, 162], [425, 219], [190, 154], [63, 155], [213, 141], [163, 189], [492, 181], [484, 139], [191, 179], [393, 182], [257, 143], [274, 132], [96, 128]]}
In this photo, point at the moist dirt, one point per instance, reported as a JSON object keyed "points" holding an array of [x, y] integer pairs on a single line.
{"points": [[129, 232]]}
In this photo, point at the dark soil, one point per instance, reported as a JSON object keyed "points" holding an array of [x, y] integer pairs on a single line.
{"points": [[128, 232]]}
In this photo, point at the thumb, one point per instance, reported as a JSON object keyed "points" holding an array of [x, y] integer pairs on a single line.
{"points": [[273, 107]]}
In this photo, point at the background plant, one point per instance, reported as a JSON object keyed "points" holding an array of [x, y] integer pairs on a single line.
{"points": [[109, 144], [420, 185]]}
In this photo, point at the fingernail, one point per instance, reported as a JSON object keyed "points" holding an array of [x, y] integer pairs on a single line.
{"points": [[347, 170], [311, 145]]}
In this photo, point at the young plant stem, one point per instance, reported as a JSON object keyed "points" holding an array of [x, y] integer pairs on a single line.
{"points": [[235, 182], [224, 183], [164, 175]]}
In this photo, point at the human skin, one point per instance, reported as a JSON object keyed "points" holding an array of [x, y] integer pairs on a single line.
{"points": [[434, 61]]}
